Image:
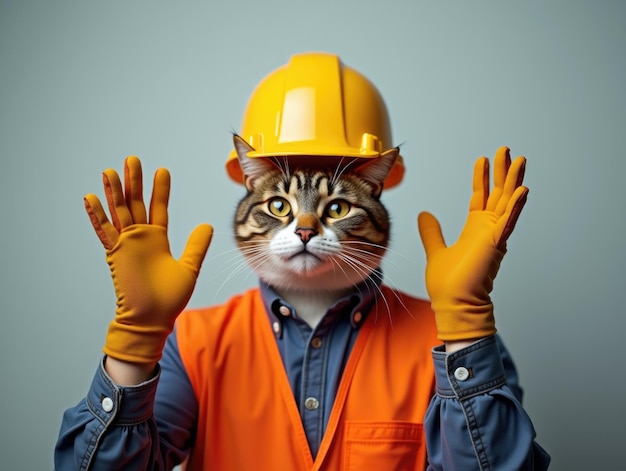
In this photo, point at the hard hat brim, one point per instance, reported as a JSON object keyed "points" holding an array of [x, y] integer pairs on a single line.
{"points": [[314, 159]]}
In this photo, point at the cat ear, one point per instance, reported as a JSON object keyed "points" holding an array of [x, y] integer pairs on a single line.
{"points": [[252, 168], [375, 171]]}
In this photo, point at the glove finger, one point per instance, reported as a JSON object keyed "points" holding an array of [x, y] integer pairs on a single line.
{"points": [[480, 185], [133, 185], [514, 179], [115, 198], [506, 223], [197, 246], [430, 233], [160, 197], [502, 162], [105, 231]]}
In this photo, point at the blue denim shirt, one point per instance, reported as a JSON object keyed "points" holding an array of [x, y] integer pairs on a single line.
{"points": [[474, 421]]}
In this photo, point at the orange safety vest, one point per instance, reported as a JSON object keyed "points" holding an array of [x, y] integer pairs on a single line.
{"points": [[247, 415]]}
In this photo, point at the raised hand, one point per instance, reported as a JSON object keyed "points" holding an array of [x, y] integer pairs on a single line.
{"points": [[459, 277], [152, 287]]}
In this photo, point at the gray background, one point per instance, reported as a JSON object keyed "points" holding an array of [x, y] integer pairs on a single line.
{"points": [[83, 84]]}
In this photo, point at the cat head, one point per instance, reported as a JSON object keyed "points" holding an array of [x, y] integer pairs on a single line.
{"points": [[319, 226]]}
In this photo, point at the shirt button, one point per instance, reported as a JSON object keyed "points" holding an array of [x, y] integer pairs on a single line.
{"points": [[284, 310], [311, 403], [107, 404], [357, 317], [276, 327], [461, 373], [316, 342]]}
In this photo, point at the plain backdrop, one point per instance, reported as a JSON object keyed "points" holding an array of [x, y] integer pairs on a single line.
{"points": [[84, 84]]}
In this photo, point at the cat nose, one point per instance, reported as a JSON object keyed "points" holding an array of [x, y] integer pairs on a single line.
{"points": [[305, 233]]}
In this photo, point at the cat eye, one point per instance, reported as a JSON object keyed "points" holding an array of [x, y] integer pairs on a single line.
{"points": [[279, 207], [337, 209]]}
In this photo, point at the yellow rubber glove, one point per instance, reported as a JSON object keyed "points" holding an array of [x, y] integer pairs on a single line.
{"points": [[459, 278], [152, 287]]}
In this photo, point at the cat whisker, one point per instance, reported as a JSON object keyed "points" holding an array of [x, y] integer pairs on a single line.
{"points": [[340, 170], [283, 165], [240, 266], [369, 257], [252, 261], [233, 260], [377, 246], [365, 255], [234, 253], [369, 275], [389, 281], [388, 261]]}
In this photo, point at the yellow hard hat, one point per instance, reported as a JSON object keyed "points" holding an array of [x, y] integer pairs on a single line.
{"points": [[312, 107]]}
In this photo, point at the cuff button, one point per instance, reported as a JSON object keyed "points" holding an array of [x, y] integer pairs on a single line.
{"points": [[461, 373], [107, 404]]}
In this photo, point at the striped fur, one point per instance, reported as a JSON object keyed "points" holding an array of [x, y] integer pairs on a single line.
{"points": [[311, 229]]}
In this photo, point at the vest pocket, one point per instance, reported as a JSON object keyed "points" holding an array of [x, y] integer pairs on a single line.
{"points": [[388, 446]]}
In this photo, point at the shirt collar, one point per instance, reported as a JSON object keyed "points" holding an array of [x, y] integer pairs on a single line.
{"points": [[358, 303]]}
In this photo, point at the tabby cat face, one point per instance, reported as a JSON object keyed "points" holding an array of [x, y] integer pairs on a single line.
{"points": [[312, 229]]}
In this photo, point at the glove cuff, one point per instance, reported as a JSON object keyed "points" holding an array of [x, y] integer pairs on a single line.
{"points": [[464, 323], [135, 344]]}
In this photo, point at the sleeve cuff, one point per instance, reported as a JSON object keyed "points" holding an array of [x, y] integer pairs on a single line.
{"points": [[121, 405], [474, 370]]}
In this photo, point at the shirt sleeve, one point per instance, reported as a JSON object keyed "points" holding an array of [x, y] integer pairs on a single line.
{"points": [[149, 426], [476, 420]]}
